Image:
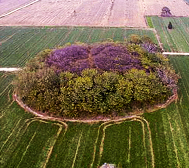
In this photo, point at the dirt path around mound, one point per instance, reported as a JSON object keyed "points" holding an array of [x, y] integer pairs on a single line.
{"points": [[131, 115]]}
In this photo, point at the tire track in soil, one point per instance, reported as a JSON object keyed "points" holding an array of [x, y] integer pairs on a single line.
{"points": [[134, 118]]}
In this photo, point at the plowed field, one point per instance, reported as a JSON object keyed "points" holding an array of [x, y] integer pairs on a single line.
{"points": [[116, 13]]}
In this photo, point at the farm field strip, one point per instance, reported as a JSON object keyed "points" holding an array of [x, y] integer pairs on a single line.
{"points": [[28, 41], [47, 149], [176, 39], [177, 36], [147, 144]]}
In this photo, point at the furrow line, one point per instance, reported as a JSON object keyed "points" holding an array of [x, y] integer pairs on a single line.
{"points": [[10, 134], [175, 148], [95, 145], [150, 139], [26, 149], [78, 145], [52, 145]]}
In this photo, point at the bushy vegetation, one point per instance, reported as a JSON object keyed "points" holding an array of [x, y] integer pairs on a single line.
{"points": [[80, 80]]}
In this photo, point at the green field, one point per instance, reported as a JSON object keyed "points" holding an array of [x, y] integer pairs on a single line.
{"points": [[177, 39], [17, 45], [28, 141], [159, 139]]}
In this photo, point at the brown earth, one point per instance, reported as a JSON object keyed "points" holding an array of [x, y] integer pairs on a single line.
{"points": [[9, 5], [117, 13]]}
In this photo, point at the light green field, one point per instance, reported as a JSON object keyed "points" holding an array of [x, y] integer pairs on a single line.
{"points": [[177, 39], [20, 44], [159, 139]]}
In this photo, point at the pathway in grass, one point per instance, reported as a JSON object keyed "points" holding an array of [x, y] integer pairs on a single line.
{"points": [[126, 143]]}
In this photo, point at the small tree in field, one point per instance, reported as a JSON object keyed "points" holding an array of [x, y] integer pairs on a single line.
{"points": [[170, 26]]}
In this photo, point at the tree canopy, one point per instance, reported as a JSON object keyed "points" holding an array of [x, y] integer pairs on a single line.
{"points": [[100, 78]]}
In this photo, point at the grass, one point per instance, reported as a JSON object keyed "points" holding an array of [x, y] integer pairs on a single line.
{"points": [[149, 21], [176, 39], [159, 139], [21, 44]]}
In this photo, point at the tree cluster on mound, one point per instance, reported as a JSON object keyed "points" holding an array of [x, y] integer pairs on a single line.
{"points": [[101, 78]]}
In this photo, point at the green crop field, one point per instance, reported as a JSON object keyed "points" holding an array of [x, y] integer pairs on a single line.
{"points": [[28, 141], [176, 39], [159, 139], [17, 45]]}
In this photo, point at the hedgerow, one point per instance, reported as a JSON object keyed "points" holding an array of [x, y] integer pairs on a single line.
{"points": [[102, 78]]}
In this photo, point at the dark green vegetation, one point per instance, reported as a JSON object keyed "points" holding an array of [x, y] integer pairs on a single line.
{"points": [[176, 39], [88, 80], [24, 142]]}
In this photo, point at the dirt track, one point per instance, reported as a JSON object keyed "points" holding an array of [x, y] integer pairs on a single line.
{"points": [[117, 13]]}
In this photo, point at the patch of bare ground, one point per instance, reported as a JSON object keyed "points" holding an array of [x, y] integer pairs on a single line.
{"points": [[134, 114], [10, 69], [116, 13], [9, 5]]}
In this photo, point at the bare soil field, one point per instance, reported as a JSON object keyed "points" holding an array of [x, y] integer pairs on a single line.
{"points": [[9, 5], [116, 13]]}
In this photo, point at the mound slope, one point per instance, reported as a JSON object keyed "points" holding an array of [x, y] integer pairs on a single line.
{"points": [[106, 78]]}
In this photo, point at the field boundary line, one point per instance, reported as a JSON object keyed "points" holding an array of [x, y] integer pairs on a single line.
{"points": [[129, 155], [52, 146], [76, 152], [17, 9], [26, 149], [158, 38], [150, 138], [15, 126], [175, 147], [133, 114]]}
